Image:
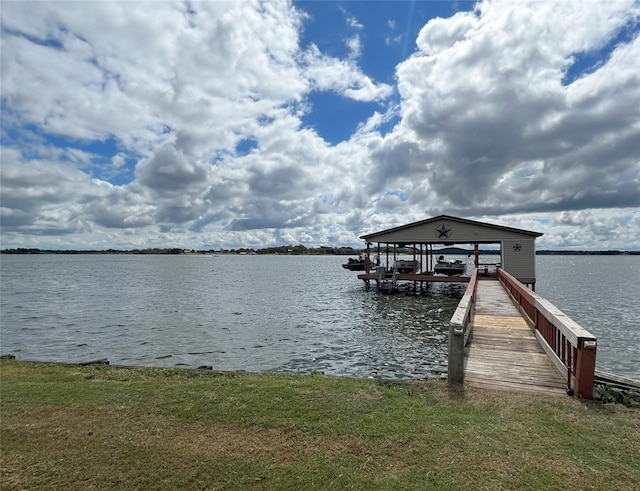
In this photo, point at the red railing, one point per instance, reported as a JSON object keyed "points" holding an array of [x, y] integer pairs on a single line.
{"points": [[571, 347]]}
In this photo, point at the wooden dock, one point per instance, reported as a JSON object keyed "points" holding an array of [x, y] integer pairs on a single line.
{"points": [[502, 352]]}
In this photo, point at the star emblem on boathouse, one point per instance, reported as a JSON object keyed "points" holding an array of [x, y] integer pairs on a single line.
{"points": [[443, 231], [517, 247]]}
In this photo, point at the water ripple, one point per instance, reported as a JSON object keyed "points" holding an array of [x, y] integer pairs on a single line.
{"points": [[288, 313]]}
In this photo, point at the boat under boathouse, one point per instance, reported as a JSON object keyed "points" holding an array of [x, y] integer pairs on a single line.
{"points": [[382, 263]]}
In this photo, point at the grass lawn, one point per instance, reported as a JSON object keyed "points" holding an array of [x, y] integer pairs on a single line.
{"points": [[72, 427]]}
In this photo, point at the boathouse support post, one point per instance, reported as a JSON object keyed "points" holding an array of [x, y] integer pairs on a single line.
{"points": [[367, 263]]}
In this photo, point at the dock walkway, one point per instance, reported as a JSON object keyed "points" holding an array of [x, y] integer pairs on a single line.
{"points": [[503, 352]]}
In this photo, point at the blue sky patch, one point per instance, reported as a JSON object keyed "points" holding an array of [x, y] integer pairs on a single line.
{"points": [[335, 118], [245, 146], [588, 62]]}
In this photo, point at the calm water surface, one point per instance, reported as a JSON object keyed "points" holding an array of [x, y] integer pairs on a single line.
{"points": [[284, 313]]}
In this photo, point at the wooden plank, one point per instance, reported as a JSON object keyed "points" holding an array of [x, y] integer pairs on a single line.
{"points": [[503, 353], [487, 341], [488, 384], [511, 373], [611, 378], [513, 321], [543, 380], [518, 360], [419, 277], [547, 383], [492, 299], [520, 375], [489, 338]]}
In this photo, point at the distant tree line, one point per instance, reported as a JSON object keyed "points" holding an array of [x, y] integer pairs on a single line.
{"points": [[303, 250], [20, 250], [297, 250], [588, 253], [288, 249]]}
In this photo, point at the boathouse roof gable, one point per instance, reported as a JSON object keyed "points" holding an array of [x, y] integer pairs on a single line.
{"points": [[468, 231]]}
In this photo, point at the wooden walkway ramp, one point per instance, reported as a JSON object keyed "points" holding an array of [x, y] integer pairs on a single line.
{"points": [[503, 352]]}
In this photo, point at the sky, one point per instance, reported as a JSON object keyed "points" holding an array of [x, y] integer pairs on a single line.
{"points": [[215, 124]]}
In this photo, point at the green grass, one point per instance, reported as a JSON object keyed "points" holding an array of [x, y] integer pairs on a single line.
{"points": [[69, 427]]}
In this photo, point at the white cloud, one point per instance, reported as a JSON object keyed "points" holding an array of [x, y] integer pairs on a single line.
{"points": [[208, 100], [353, 22], [355, 47], [496, 127], [118, 160], [442, 34], [342, 76]]}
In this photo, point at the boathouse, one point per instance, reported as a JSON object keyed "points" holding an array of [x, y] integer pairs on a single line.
{"points": [[520, 340], [517, 247]]}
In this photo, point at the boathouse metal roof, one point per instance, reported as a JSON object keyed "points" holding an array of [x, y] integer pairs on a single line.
{"points": [[474, 232]]}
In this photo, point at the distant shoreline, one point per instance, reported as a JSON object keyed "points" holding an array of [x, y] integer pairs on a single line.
{"points": [[298, 250]]}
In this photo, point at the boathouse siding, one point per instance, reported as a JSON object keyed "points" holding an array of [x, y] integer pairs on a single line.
{"points": [[519, 259], [517, 247]]}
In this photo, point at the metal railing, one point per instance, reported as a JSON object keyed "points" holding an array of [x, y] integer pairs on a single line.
{"points": [[571, 348]]}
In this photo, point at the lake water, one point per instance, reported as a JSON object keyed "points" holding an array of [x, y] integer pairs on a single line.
{"points": [[282, 313], [601, 293]]}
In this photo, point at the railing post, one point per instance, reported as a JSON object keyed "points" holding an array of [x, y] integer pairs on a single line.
{"points": [[585, 368], [455, 369]]}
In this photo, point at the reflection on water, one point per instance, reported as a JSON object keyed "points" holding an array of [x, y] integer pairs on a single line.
{"points": [[286, 313]]}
